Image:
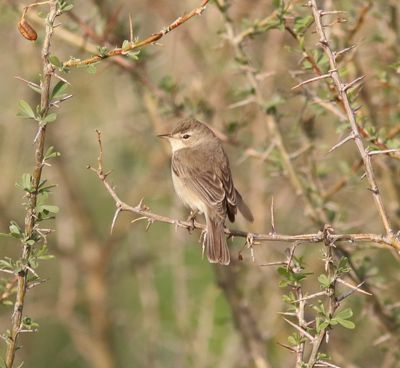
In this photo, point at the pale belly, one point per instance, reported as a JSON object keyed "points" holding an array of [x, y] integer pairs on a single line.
{"points": [[187, 196]]}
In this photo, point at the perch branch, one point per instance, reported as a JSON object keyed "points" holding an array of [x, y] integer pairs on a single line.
{"points": [[385, 241]]}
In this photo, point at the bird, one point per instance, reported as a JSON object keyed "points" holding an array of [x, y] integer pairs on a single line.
{"points": [[202, 179]]}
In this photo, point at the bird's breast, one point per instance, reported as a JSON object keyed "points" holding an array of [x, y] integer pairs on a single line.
{"points": [[189, 197]]}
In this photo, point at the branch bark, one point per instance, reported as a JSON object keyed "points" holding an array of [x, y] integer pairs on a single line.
{"points": [[135, 45], [341, 89], [30, 218]]}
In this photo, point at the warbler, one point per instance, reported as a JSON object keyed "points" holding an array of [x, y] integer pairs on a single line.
{"points": [[203, 181]]}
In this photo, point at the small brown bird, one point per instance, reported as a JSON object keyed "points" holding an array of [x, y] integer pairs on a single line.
{"points": [[203, 181]]}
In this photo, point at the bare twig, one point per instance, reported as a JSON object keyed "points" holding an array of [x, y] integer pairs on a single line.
{"points": [[324, 76], [341, 91], [131, 46], [141, 210]]}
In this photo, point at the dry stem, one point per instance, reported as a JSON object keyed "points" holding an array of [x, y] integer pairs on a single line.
{"points": [[341, 89], [134, 45], [30, 218]]}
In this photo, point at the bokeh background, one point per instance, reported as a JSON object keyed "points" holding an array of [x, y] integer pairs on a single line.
{"points": [[140, 298]]}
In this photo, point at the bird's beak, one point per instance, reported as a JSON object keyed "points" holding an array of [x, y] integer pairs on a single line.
{"points": [[166, 135]]}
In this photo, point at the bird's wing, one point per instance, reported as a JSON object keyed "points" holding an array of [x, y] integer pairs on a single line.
{"points": [[204, 180]]}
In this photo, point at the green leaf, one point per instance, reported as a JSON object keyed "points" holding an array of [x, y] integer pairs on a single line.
{"points": [[50, 118], [347, 324], [49, 208], [134, 55], [5, 235], [301, 24], [321, 324], [59, 89], [67, 8], [50, 153], [55, 61], [125, 44], [26, 110], [15, 230], [343, 266], [26, 183], [324, 280], [344, 314]]}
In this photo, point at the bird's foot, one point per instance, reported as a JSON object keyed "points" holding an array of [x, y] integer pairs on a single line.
{"points": [[191, 219]]}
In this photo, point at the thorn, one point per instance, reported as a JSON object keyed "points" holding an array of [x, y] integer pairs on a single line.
{"points": [[341, 52], [287, 347], [382, 152], [332, 12], [353, 289], [29, 83], [280, 263], [304, 332], [363, 176], [130, 28], [328, 75], [150, 222], [351, 84], [119, 209], [141, 218], [61, 79], [272, 216], [343, 141]]}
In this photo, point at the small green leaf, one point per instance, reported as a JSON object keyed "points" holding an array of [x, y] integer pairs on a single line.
{"points": [[347, 324], [49, 208], [67, 8], [59, 89], [55, 61], [324, 280], [50, 153], [344, 314], [50, 118], [302, 23], [134, 55], [26, 110], [321, 324], [15, 230], [125, 44], [26, 183]]}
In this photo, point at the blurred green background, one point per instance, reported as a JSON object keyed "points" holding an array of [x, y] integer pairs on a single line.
{"points": [[140, 298]]}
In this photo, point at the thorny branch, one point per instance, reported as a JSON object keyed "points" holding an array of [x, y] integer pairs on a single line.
{"points": [[342, 89], [145, 213], [134, 45], [31, 218]]}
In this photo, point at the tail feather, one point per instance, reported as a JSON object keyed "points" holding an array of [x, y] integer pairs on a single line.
{"points": [[215, 242], [243, 208]]}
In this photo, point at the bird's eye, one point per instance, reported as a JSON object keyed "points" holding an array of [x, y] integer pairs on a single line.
{"points": [[186, 136]]}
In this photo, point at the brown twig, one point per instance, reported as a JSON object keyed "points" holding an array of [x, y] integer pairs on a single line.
{"points": [[131, 46], [30, 218], [144, 211]]}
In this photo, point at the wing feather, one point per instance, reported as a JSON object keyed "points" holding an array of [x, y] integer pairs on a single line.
{"points": [[214, 185]]}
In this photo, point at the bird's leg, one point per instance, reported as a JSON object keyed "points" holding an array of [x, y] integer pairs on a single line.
{"points": [[191, 218]]}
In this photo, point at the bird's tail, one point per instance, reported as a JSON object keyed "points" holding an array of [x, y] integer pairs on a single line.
{"points": [[215, 244]]}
